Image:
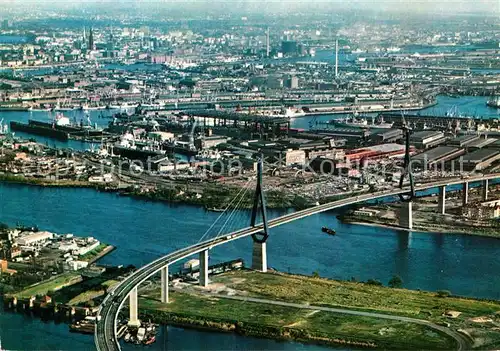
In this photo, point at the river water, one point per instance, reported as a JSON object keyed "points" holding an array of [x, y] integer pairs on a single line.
{"points": [[144, 230]]}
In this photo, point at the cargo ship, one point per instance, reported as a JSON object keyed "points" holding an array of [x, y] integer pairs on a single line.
{"points": [[33, 128], [61, 128], [64, 124], [353, 122]]}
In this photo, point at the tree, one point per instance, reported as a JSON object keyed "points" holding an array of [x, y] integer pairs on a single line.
{"points": [[443, 293], [3, 227], [395, 282], [315, 274], [374, 282]]}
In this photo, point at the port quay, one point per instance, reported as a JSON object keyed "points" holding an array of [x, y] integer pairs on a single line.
{"points": [[222, 176]]}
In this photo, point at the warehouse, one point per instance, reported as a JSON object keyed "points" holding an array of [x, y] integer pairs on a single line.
{"points": [[479, 143], [437, 157], [33, 238], [427, 138], [388, 136], [478, 160], [463, 140]]}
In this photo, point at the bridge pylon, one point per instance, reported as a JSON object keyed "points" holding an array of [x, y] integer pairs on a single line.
{"points": [[406, 214], [259, 253]]}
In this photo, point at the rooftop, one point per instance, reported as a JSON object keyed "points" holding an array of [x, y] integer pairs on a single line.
{"points": [[436, 153], [480, 155]]}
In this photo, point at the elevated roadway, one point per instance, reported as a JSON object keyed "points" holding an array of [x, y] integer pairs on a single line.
{"points": [[105, 331]]}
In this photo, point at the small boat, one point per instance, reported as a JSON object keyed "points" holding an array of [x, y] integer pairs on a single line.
{"points": [[215, 209], [328, 231], [150, 340]]}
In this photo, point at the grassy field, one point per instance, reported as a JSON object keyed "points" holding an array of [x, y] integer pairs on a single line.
{"points": [[53, 284], [365, 297], [317, 291], [281, 322], [92, 293]]}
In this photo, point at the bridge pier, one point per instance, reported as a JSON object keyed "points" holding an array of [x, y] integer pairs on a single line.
{"points": [[486, 189], [133, 309], [203, 278], [465, 194], [164, 284], [406, 215], [259, 256], [442, 199]]}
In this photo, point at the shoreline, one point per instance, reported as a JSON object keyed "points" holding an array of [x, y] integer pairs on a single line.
{"points": [[416, 228], [167, 196], [247, 329], [107, 250]]}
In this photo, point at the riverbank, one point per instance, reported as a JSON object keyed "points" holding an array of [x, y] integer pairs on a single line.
{"points": [[426, 217], [227, 306], [59, 183], [434, 228], [211, 196]]}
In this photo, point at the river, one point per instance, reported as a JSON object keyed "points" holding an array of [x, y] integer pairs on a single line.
{"points": [[145, 230]]}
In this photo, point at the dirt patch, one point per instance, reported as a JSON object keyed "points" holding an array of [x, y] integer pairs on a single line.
{"points": [[481, 320]]}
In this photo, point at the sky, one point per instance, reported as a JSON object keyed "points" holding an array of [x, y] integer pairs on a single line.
{"points": [[420, 6]]}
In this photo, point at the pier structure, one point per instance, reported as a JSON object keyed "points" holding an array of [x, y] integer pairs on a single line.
{"points": [[465, 193], [442, 200], [203, 277], [486, 189], [133, 320], [406, 215], [164, 284]]}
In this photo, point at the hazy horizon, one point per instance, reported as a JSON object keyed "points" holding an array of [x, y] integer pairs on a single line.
{"points": [[269, 6]]}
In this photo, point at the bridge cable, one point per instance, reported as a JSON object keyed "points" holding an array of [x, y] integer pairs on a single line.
{"points": [[223, 212], [237, 208]]}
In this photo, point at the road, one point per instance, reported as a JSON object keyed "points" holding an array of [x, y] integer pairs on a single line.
{"points": [[105, 332]]}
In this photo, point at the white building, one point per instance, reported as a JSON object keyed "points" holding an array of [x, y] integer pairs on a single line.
{"points": [[33, 238]]}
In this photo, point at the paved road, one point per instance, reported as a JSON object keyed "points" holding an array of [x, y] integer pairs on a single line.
{"points": [[463, 342], [105, 332]]}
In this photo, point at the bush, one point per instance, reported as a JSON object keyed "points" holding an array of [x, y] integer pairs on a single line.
{"points": [[374, 282], [395, 282], [443, 293]]}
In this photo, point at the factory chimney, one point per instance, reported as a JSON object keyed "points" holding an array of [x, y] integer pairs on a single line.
{"points": [[267, 42]]}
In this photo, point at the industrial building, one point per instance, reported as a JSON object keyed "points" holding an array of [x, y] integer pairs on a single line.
{"points": [[478, 160], [427, 138], [33, 238], [437, 157], [376, 152], [462, 140], [388, 136], [480, 143]]}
